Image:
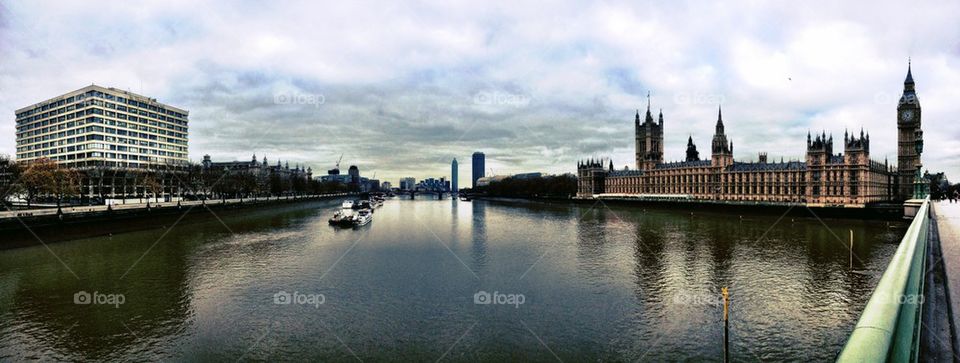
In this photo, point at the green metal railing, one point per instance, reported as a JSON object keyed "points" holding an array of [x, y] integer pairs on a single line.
{"points": [[889, 328]]}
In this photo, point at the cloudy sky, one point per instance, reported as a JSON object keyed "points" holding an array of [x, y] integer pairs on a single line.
{"points": [[401, 88]]}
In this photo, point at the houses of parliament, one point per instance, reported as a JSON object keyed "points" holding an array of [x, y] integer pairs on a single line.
{"points": [[825, 179]]}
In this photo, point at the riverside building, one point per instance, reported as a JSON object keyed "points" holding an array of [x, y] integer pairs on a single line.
{"points": [[122, 145], [97, 126], [824, 178]]}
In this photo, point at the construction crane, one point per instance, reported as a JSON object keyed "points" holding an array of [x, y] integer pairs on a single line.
{"points": [[336, 169]]}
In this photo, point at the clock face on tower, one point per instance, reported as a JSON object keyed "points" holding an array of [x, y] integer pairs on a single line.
{"points": [[906, 115]]}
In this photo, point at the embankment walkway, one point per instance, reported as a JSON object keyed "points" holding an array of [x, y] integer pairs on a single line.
{"points": [[80, 210]]}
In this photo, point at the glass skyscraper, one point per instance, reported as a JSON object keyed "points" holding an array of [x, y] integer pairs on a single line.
{"points": [[454, 172], [479, 166]]}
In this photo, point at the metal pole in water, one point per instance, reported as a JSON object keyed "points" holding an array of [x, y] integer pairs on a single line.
{"points": [[726, 326], [851, 249]]}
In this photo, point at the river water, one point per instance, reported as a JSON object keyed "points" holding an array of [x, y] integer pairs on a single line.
{"points": [[450, 280]]}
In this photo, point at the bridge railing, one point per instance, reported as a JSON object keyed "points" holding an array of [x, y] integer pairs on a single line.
{"points": [[889, 328]]}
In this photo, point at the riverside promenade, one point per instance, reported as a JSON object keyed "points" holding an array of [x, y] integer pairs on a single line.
{"points": [[26, 227], [73, 211], [947, 217]]}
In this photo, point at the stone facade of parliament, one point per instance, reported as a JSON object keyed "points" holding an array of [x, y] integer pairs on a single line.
{"points": [[825, 178]]}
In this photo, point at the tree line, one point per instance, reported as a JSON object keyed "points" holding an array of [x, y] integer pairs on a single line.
{"points": [[551, 186], [44, 181]]}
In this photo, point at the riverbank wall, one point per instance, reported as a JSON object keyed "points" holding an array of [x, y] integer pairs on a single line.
{"points": [[889, 212], [20, 228]]}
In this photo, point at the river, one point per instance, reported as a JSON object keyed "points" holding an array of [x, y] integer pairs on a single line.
{"points": [[450, 280]]}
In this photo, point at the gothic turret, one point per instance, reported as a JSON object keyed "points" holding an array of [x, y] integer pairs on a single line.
{"points": [[856, 150], [692, 153], [719, 127], [649, 118], [722, 151], [819, 150], [854, 143], [591, 176], [649, 140]]}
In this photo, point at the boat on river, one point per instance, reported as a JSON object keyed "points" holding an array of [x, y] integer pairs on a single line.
{"points": [[342, 218], [362, 204], [363, 217]]}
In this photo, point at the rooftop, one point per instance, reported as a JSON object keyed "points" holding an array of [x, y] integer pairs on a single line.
{"points": [[111, 90]]}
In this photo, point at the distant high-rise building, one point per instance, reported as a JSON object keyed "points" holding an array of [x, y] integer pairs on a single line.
{"points": [[478, 166], [408, 183], [453, 175], [371, 185], [431, 184], [354, 173]]}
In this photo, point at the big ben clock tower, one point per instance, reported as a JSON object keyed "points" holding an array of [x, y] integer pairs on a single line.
{"points": [[909, 138]]}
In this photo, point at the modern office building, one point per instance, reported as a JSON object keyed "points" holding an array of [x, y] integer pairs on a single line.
{"points": [[96, 126], [335, 178], [454, 170], [408, 183], [478, 166], [354, 173], [371, 185], [434, 185]]}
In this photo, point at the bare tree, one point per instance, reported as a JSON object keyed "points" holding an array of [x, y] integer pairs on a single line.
{"points": [[9, 173], [152, 185], [65, 184], [37, 179]]}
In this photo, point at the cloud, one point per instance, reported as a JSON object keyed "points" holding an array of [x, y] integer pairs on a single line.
{"points": [[401, 89]]}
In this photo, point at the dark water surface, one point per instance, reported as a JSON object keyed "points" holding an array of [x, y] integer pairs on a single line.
{"points": [[596, 283]]}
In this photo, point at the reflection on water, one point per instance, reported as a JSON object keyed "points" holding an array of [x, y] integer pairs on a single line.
{"points": [[601, 283]]}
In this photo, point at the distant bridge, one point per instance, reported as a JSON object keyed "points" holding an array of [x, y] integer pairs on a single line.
{"points": [[427, 193]]}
